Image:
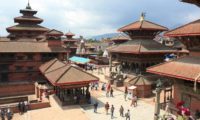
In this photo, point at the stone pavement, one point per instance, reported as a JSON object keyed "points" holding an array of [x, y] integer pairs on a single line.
{"points": [[55, 112], [143, 111]]}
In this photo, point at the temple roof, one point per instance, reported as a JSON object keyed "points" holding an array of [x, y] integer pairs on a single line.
{"points": [[28, 19], [27, 47], [60, 73], [196, 2], [29, 27], [190, 29], [69, 34], [142, 80], [120, 38], [54, 32], [187, 68], [141, 46], [143, 25]]}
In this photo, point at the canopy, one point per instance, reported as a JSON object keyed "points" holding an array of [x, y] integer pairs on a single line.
{"points": [[80, 60]]}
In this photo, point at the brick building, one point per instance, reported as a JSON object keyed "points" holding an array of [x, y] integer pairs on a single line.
{"points": [[26, 48]]}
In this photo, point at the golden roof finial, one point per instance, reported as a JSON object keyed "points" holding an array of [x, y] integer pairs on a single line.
{"points": [[143, 14]]}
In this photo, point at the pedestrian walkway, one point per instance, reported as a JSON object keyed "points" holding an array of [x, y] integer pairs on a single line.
{"points": [[143, 111], [55, 112]]}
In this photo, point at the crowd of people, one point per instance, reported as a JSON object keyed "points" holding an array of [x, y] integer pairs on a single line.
{"points": [[6, 113]]}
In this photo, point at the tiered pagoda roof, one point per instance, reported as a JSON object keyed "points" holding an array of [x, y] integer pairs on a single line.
{"points": [[190, 29], [142, 33], [141, 46], [28, 24], [143, 25], [187, 68], [120, 38]]}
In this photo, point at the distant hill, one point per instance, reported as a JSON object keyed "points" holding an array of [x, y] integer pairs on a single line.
{"points": [[107, 35]]}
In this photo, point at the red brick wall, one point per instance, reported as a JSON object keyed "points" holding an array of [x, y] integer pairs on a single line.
{"points": [[195, 103], [16, 89]]}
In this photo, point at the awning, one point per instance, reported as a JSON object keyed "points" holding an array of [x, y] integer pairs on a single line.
{"points": [[79, 60]]}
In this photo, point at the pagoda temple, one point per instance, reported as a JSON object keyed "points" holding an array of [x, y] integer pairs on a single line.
{"points": [[189, 35], [28, 25], [140, 52], [121, 38], [71, 43], [20, 58]]}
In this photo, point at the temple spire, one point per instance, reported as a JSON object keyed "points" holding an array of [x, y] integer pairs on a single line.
{"points": [[28, 5], [142, 17]]}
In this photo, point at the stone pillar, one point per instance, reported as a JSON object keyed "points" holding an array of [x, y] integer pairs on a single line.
{"points": [[157, 104], [110, 64]]}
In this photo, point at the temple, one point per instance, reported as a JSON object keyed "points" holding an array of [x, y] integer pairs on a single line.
{"points": [[135, 55], [22, 53], [28, 25], [66, 81], [71, 43], [183, 72]]}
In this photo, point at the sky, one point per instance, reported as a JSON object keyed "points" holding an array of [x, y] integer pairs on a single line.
{"points": [[95, 17]]}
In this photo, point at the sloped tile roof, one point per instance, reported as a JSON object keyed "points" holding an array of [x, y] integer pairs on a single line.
{"points": [[27, 28], [21, 46], [141, 46], [187, 68], [60, 73], [143, 25], [54, 32], [190, 29], [196, 2]]}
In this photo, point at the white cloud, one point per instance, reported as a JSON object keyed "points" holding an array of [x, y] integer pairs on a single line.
{"points": [[92, 17]]}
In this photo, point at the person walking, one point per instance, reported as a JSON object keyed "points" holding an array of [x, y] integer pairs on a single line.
{"points": [[111, 92], [107, 107], [95, 107], [9, 114], [121, 111], [125, 93], [112, 111], [2, 113], [135, 100], [127, 115]]}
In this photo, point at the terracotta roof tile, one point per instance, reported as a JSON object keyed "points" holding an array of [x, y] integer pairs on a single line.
{"points": [[54, 32], [60, 73], [20, 46], [27, 27], [187, 68], [141, 46], [143, 25], [190, 29]]}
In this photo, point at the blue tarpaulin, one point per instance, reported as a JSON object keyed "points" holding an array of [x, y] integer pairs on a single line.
{"points": [[80, 60]]}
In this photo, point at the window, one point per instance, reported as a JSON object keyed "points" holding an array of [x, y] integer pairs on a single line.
{"points": [[20, 57], [30, 68], [18, 68], [4, 67], [30, 57]]}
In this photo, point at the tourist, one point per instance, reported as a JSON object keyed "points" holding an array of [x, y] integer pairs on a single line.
{"points": [[9, 114], [125, 92], [121, 111], [95, 106], [88, 97], [96, 86], [107, 107], [23, 107], [135, 100], [112, 111], [111, 92], [2, 113], [103, 86], [75, 99], [108, 90], [127, 115]]}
